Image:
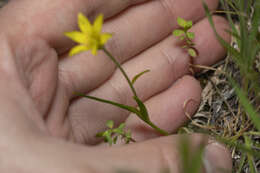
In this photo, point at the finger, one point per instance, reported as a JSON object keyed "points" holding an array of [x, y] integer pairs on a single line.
{"points": [[162, 154], [167, 63], [49, 19], [169, 110], [132, 34], [22, 115]]}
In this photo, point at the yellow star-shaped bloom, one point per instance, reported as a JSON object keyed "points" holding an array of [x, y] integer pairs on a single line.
{"points": [[89, 37]]}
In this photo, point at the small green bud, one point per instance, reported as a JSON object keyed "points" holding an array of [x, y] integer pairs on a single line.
{"points": [[192, 52], [110, 124], [182, 23]]}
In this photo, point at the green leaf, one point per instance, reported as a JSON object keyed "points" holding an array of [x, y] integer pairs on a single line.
{"points": [[241, 162], [190, 43], [118, 131], [139, 75], [110, 141], [122, 126], [182, 38], [178, 32], [100, 134], [108, 138], [190, 35], [188, 24], [249, 156], [250, 110], [128, 134], [230, 49], [110, 124], [143, 114], [192, 52], [190, 160], [182, 22], [115, 139], [234, 34], [126, 107], [127, 140]]}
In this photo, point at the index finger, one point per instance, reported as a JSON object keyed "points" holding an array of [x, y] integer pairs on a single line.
{"points": [[49, 19]]}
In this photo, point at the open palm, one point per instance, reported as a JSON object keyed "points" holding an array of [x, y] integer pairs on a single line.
{"points": [[34, 34]]}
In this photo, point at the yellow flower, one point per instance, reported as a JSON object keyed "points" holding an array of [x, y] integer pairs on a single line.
{"points": [[90, 37]]}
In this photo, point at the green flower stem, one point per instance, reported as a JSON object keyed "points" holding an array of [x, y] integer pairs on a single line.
{"points": [[121, 69], [163, 132], [129, 108]]}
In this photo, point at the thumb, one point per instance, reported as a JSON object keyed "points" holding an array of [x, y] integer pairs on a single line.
{"points": [[163, 155]]}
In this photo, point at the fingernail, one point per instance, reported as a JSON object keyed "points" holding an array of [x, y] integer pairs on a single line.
{"points": [[217, 158]]}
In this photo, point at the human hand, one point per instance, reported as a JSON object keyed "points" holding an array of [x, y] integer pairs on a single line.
{"points": [[42, 75]]}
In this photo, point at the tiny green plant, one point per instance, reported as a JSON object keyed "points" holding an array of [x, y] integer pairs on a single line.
{"points": [[91, 38], [185, 35], [112, 134]]}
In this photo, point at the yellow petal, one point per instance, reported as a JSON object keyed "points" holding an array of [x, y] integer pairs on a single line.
{"points": [[104, 38], [98, 23], [76, 36], [78, 49], [94, 49], [84, 24]]}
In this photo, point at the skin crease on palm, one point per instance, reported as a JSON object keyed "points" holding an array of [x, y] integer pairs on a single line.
{"points": [[44, 127]]}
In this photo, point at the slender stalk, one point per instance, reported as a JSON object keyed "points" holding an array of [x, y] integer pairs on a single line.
{"points": [[163, 132], [126, 107], [131, 139], [133, 90], [121, 69]]}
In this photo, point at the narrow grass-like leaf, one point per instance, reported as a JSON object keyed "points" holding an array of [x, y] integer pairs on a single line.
{"points": [[143, 111], [234, 34], [191, 160], [241, 163], [238, 145], [126, 107], [196, 163], [184, 153], [249, 156], [255, 21], [232, 50], [252, 113], [139, 75], [231, 23]]}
